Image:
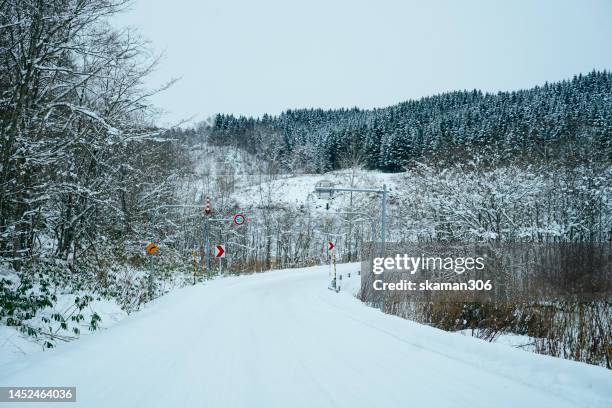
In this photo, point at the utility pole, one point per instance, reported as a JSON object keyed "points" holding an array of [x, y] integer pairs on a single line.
{"points": [[383, 217], [206, 248]]}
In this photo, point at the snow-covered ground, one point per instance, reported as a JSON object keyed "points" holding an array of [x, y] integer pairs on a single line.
{"points": [[14, 345], [283, 339], [127, 283], [520, 341], [300, 189], [252, 188]]}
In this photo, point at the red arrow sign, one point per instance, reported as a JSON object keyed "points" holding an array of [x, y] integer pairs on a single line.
{"points": [[219, 251], [330, 246]]}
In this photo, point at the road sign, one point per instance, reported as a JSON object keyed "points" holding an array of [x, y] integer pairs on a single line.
{"points": [[219, 251], [330, 246], [207, 207], [239, 219], [151, 248]]}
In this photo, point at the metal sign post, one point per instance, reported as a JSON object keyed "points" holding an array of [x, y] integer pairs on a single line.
{"points": [[194, 254], [151, 248], [336, 285]]}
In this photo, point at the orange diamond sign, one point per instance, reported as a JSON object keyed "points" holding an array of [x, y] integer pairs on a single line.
{"points": [[151, 248]]}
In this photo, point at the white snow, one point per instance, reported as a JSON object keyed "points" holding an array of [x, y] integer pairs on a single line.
{"points": [[520, 341], [14, 344], [299, 189], [282, 339]]}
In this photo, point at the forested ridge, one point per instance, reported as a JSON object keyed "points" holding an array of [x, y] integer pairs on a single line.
{"points": [[567, 122]]}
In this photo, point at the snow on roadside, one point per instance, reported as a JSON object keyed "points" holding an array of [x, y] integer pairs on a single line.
{"points": [[14, 344], [350, 285], [566, 378], [519, 341]]}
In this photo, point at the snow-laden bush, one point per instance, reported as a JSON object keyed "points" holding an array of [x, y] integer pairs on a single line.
{"points": [[53, 300], [538, 203]]}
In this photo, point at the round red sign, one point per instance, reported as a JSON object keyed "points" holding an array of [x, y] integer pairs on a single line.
{"points": [[239, 219]]}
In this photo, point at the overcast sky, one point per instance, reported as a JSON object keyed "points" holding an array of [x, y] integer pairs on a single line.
{"points": [[252, 57]]}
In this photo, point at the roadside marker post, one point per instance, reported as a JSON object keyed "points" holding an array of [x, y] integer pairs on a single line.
{"points": [[332, 266], [336, 284], [194, 254]]}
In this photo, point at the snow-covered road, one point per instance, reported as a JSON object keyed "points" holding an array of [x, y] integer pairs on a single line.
{"points": [[281, 339]]}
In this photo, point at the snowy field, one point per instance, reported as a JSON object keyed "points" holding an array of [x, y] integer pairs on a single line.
{"points": [[282, 339], [250, 188]]}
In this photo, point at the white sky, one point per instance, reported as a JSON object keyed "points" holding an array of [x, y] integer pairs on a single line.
{"points": [[253, 57]]}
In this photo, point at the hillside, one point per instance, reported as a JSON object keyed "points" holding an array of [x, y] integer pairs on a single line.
{"points": [[568, 122]]}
